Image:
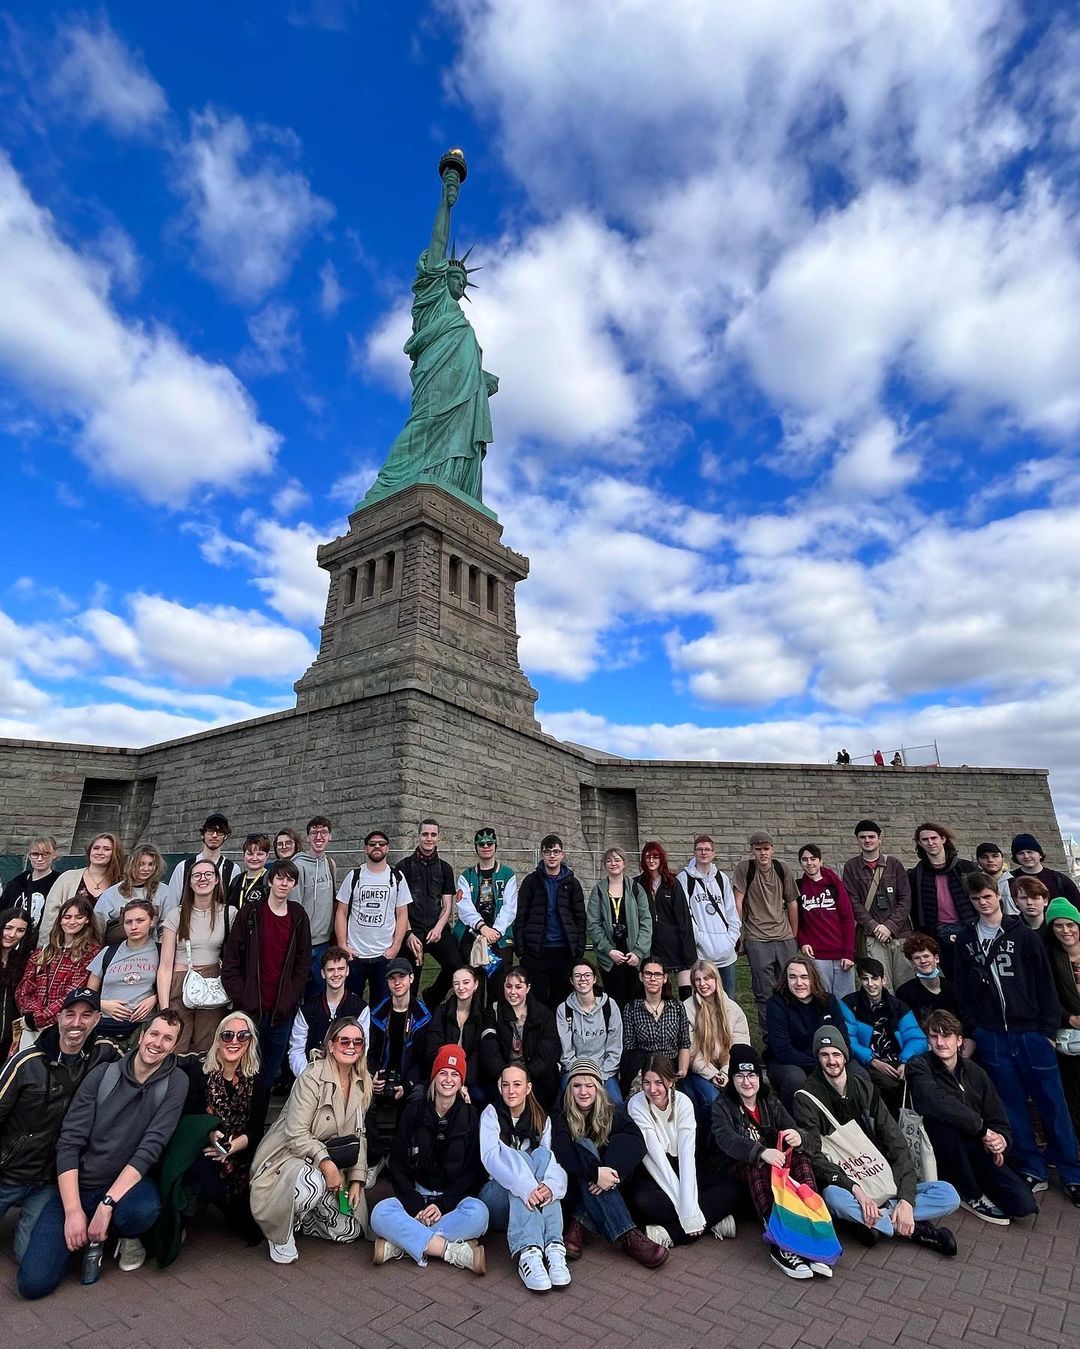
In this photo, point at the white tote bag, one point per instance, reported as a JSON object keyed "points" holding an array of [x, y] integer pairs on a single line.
{"points": [[848, 1148]]}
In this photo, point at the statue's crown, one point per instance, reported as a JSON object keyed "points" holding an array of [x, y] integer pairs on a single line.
{"points": [[459, 263]]}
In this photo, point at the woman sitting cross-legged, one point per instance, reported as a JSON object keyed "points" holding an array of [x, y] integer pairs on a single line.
{"points": [[309, 1171], [435, 1170], [747, 1119], [665, 1194], [527, 1183], [598, 1145]]}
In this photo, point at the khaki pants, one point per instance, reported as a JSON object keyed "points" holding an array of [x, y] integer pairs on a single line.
{"points": [[197, 1024], [898, 969]]}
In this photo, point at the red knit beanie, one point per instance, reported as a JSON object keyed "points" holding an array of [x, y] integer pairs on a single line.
{"points": [[449, 1056]]}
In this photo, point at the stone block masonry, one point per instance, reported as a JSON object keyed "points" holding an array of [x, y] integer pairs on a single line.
{"points": [[390, 759], [416, 705]]}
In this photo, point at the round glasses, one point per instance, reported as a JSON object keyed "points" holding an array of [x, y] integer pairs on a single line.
{"points": [[228, 1036]]}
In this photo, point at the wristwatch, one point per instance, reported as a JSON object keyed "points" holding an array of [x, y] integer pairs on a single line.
{"points": [[108, 1202]]}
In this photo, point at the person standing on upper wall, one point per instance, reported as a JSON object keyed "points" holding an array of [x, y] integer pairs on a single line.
{"points": [[29, 890], [768, 904]]}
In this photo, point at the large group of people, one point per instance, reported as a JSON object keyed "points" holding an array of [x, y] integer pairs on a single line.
{"points": [[520, 1055]]}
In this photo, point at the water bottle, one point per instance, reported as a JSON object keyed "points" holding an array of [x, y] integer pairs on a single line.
{"points": [[91, 1265]]}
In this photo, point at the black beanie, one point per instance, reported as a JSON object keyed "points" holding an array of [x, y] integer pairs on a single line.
{"points": [[867, 827], [1024, 841]]}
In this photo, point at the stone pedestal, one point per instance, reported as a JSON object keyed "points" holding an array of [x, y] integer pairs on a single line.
{"points": [[422, 597]]}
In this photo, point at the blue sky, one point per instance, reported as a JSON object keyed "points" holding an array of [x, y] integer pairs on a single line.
{"points": [[786, 314]]}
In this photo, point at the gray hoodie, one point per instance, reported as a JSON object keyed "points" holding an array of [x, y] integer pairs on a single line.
{"points": [[315, 892], [590, 1035], [130, 1127]]}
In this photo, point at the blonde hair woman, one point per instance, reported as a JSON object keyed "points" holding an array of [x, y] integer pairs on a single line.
{"points": [[716, 1023], [141, 880], [598, 1145], [104, 867], [309, 1170]]}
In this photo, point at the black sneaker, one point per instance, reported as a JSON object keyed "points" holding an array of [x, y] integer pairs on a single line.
{"points": [[865, 1236], [1073, 1191], [1036, 1184], [791, 1265], [986, 1210], [939, 1239]]}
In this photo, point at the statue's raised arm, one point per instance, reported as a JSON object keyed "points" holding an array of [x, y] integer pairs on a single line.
{"points": [[449, 428]]}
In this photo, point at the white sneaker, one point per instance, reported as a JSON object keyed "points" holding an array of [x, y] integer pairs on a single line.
{"points": [[531, 1269], [555, 1257], [132, 1253], [466, 1255], [660, 1235], [724, 1230], [817, 1267], [286, 1253], [373, 1173], [385, 1250]]}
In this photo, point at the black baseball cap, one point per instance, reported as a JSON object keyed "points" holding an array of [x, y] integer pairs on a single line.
{"points": [[86, 995]]}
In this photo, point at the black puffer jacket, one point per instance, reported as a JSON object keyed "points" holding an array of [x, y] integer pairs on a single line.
{"points": [[36, 1088], [541, 1048], [924, 900], [442, 1155], [530, 925]]}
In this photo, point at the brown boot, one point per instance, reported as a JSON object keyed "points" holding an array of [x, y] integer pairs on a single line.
{"points": [[574, 1239], [638, 1247]]}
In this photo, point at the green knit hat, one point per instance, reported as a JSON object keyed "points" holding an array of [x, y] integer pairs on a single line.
{"points": [[1061, 908]]}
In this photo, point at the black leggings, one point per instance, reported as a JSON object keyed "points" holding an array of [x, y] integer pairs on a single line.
{"points": [[718, 1196]]}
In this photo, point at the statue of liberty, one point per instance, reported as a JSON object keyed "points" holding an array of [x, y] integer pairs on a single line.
{"points": [[449, 427]]}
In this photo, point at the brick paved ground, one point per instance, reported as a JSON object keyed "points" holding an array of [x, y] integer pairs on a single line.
{"points": [[1019, 1286]]}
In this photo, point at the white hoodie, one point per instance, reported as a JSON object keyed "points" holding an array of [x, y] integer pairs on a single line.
{"points": [[712, 908]]}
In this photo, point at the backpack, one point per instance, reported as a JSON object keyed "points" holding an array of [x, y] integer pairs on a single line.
{"points": [[751, 871], [396, 878], [110, 1080], [605, 1008]]}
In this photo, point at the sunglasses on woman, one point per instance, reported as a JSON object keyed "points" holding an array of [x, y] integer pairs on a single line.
{"points": [[349, 1043], [240, 1036]]}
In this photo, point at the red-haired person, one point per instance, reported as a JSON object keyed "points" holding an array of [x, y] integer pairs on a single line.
{"points": [[673, 928]]}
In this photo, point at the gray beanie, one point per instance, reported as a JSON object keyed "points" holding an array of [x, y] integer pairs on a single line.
{"points": [[828, 1037], [586, 1067]]}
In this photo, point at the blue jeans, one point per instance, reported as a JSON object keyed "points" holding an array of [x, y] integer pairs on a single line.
{"points": [[605, 1213], [31, 1200], [316, 983], [371, 972], [523, 1226], [703, 1094], [47, 1257], [728, 980], [611, 1086], [464, 1223], [933, 1199], [1023, 1064], [273, 1044]]}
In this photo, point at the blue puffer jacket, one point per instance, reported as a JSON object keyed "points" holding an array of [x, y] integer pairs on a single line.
{"points": [[857, 1017]]}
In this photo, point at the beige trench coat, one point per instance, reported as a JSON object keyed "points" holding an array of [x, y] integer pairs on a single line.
{"points": [[314, 1112]]}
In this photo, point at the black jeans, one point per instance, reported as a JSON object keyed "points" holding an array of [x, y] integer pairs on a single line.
{"points": [[549, 974], [448, 955], [967, 1166]]}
